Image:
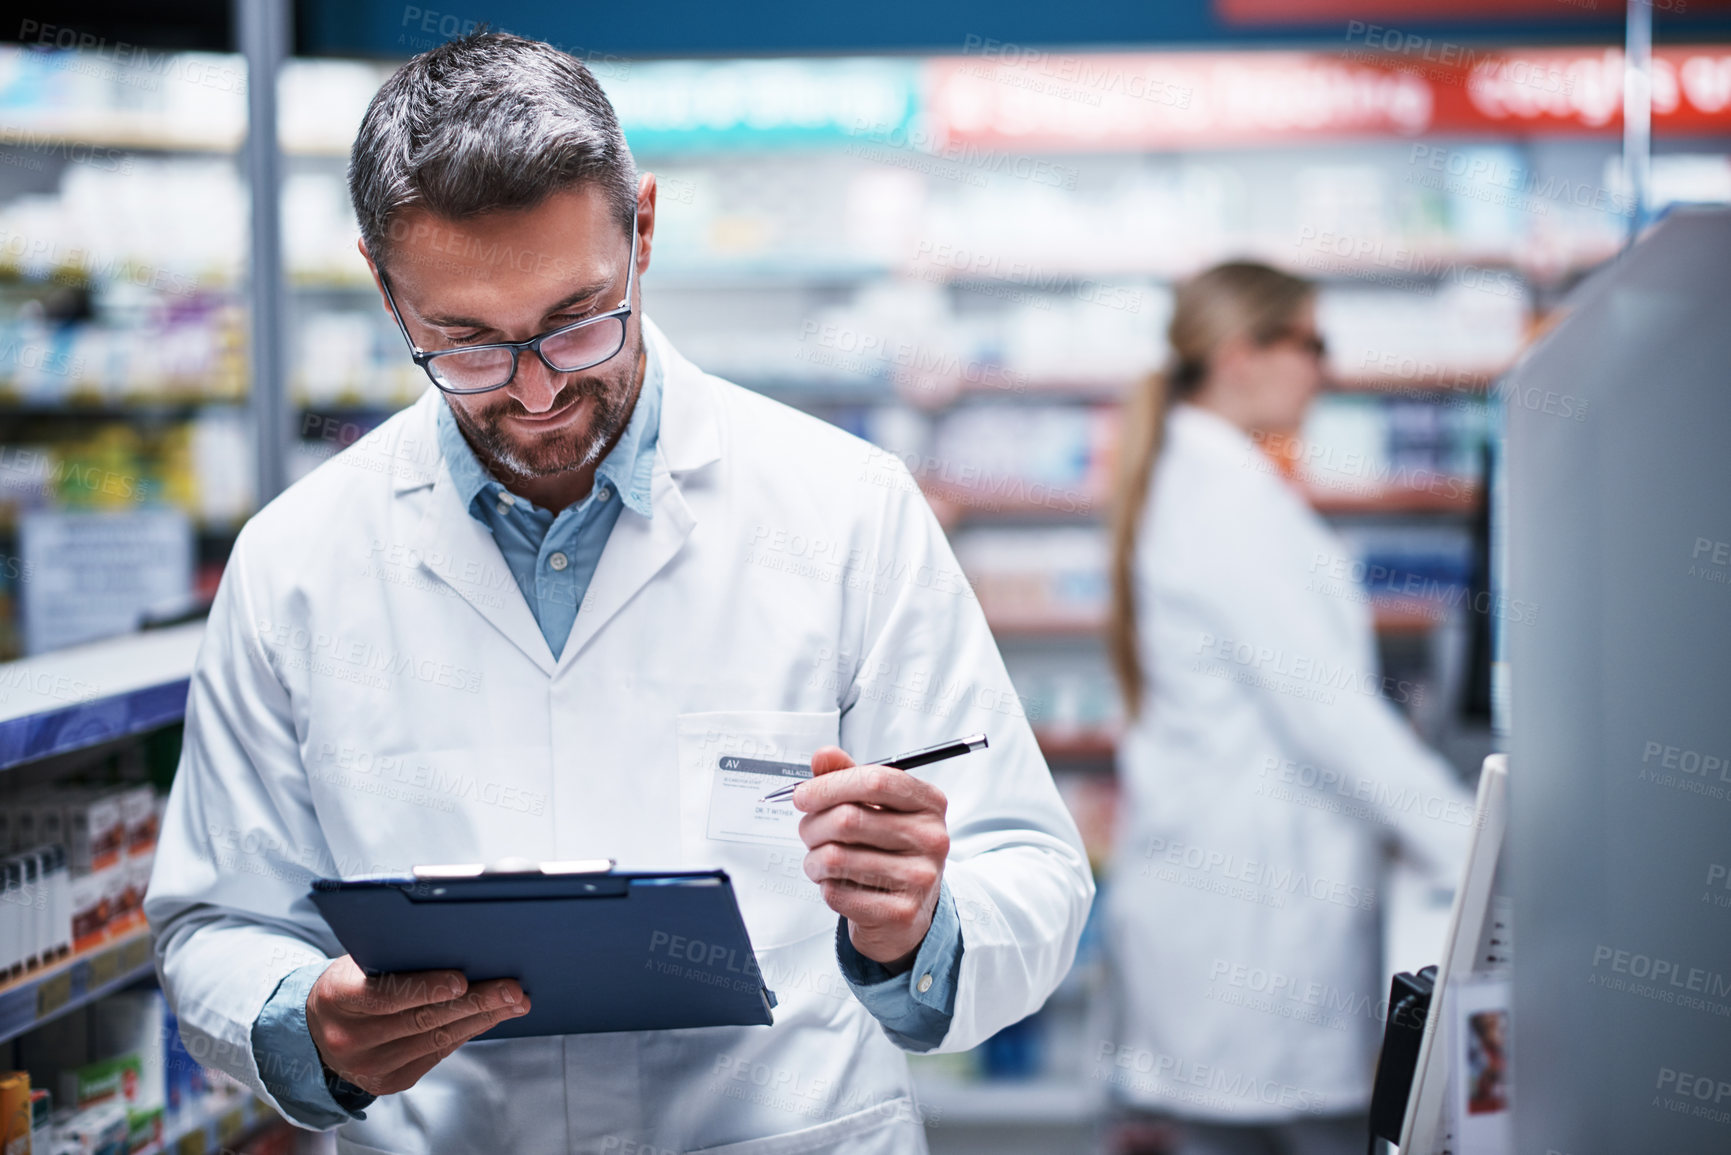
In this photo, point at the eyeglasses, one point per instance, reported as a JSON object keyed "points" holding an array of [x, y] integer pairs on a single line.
{"points": [[1307, 342], [567, 349]]}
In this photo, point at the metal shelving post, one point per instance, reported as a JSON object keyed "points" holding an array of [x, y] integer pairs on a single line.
{"points": [[1638, 111], [262, 28]]}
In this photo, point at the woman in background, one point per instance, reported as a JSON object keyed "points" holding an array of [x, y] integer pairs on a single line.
{"points": [[1265, 778]]}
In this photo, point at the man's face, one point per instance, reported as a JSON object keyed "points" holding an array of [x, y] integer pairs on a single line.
{"points": [[510, 276]]}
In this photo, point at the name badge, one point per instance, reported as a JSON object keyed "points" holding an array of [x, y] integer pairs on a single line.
{"points": [[736, 812]]}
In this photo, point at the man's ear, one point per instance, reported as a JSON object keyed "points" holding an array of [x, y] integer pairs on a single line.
{"points": [[373, 268], [645, 220]]}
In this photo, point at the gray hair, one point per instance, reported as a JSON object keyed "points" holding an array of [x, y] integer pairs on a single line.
{"points": [[482, 123]]}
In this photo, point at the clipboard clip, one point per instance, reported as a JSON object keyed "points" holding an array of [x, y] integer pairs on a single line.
{"points": [[560, 868]]}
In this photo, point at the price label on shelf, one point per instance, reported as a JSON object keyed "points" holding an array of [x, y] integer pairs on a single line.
{"points": [[104, 968], [134, 954], [53, 993]]}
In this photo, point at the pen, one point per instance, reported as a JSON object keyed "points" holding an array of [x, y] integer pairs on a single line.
{"points": [[924, 756]]}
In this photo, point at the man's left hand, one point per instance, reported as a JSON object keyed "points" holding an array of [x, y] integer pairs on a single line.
{"points": [[876, 843]]}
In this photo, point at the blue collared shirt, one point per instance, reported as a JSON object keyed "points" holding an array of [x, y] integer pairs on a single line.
{"points": [[553, 558]]}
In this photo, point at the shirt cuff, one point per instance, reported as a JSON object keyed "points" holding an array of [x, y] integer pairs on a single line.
{"points": [[914, 1008], [288, 1060]]}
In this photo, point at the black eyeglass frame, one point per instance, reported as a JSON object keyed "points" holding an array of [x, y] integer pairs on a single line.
{"points": [[622, 313], [1312, 342]]}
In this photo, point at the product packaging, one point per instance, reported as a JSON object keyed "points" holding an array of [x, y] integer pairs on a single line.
{"points": [[131, 1024], [15, 1113]]}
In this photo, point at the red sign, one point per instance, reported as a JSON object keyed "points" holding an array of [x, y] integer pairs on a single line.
{"points": [[1477, 11], [1388, 85]]}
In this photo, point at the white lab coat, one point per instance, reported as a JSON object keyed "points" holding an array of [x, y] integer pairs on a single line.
{"points": [[1264, 783], [374, 693]]}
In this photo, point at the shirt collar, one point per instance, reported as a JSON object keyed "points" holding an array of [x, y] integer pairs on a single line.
{"points": [[628, 466]]}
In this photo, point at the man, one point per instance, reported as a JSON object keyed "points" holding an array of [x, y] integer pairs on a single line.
{"points": [[527, 617]]}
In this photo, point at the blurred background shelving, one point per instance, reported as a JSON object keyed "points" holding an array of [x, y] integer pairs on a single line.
{"points": [[915, 247]]}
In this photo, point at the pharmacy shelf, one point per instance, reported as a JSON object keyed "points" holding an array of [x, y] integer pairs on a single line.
{"points": [[221, 1127], [1047, 391], [1007, 1103], [35, 999], [949, 394], [149, 131], [353, 408], [941, 396], [1077, 746], [1430, 386], [1461, 498], [67, 275], [786, 271], [1407, 618], [962, 502], [1057, 627], [768, 274], [775, 272], [87, 695], [137, 131], [954, 503], [205, 531], [116, 409], [1421, 387], [803, 392]]}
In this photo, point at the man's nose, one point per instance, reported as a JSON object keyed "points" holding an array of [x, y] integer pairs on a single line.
{"points": [[535, 385]]}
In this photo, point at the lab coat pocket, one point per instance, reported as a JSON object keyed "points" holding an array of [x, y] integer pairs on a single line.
{"points": [[728, 761], [887, 1128]]}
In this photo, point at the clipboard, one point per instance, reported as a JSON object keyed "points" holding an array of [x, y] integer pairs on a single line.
{"points": [[600, 950]]}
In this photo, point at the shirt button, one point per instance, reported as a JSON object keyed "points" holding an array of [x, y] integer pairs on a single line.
{"points": [[604, 494], [925, 984], [558, 561]]}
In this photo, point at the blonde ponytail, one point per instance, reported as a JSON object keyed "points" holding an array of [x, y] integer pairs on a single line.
{"points": [[1139, 441], [1236, 299]]}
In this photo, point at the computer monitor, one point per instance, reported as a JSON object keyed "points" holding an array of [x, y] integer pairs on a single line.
{"points": [[1476, 949]]}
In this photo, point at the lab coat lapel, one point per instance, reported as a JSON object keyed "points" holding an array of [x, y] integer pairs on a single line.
{"points": [[638, 548], [457, 548], [636, 551]]}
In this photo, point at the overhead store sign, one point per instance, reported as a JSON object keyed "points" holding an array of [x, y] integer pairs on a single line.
{"points": [[1402, 86], [750, 104], [1691, 91], [1320, 11]]}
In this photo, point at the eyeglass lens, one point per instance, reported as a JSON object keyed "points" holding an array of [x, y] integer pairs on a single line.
{"points": [[567, 352]]}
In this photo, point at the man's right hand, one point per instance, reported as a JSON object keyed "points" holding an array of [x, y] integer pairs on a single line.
{"points": [[383, 1033]]}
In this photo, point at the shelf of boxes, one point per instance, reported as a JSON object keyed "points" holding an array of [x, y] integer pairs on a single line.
{"points": [[134, 1087], [65, 712], [122, 335], [28, 1002], [223, 1124]]}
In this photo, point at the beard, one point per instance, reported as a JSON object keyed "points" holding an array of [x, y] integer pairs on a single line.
{"points": [[529, 456]]}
